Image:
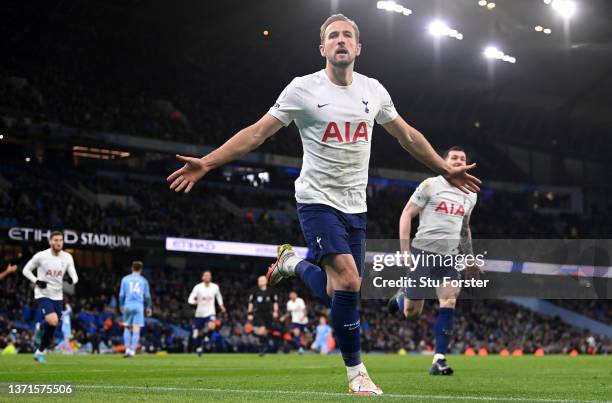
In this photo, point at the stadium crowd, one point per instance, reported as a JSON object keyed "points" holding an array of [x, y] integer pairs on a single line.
{"points": [[240, 212], [96, 322]]}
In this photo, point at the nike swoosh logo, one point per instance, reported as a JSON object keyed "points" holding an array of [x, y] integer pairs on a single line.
{"points": [[320, 106]]}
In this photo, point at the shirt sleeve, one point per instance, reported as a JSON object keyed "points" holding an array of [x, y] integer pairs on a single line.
{"points": [[219, 297], [288, 106], [421, 195], [31, 265], [473, 204], [387, 112], [122, 293], [193, 296], [72, 270], [147, 295]]}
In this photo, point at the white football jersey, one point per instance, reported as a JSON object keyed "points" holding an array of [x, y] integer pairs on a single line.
{"points": [[297, 310], [335, 124], [441, 219], [205, 297], [50, 268]]}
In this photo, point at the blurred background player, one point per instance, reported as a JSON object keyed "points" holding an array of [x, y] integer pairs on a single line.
{"points": [[262, 310], [10, 267], [296, 308], [65, 346], [204, 295], [324, 331], [134, 302], [50, 265], [444, 228]]}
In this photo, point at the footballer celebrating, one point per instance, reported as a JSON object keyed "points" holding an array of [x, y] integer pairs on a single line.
{"points": [[444, 229], [335, 110], [51, 265], [203, 296]]}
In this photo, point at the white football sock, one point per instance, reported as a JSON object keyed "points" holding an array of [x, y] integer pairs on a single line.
{"points": [[352, 372], [437, 357], [292, 261]]}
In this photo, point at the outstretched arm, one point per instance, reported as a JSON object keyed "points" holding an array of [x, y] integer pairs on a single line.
{"points": [[243, 142], [417, 145]]}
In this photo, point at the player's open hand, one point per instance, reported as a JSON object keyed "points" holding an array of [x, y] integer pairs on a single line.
{"points": [[187, 176], [12, 267], [461, 179]]}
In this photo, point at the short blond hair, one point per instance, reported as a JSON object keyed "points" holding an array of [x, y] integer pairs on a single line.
{"points": [[338, 17]]}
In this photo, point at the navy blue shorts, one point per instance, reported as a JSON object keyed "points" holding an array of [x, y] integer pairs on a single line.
{"points": [[429, 268], [48, 305], [330, 231], [202, 323], [298, 326]]}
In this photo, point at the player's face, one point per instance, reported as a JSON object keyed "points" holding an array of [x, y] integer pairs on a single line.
{"points": [[456, 158], [262, 282], [340, 46], [292, 296], [207, 277], [322, 321], [56, 243]]}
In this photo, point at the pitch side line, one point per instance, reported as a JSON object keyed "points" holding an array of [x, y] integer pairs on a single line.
{"points": [[323, 394]]}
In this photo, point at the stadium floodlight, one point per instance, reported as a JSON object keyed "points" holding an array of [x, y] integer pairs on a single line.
{"points": [[547, 2], [538, 28], [491, 6], [439, 28], [547, 31], [393, 6], [482, 3], [565, 8], [492, 52]]}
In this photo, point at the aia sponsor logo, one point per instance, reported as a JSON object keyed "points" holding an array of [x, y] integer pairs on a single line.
{"points": [[332, 132], [450, 208], [54, 273]]}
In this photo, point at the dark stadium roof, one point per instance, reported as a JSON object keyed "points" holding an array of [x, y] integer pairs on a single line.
{"points": [[557, 77]]}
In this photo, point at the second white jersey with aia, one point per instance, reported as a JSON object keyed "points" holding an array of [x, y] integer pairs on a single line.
{"points": [[335, 124], [204, 296], [297, 309], [50, 268], [443, 209]]}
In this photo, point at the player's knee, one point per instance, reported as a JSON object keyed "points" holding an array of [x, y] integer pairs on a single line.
{"points": [[348, 282], [412, 309], [343, 273], [448, 303], [52, 319]]}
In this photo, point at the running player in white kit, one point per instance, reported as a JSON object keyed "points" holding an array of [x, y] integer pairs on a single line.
{"points": [[50, 265], [296, 308], [444, 229], [204, 295], [335, 110]]}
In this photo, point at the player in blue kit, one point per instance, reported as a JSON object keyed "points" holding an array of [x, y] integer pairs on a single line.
{"points": [[335, 110], [134, 301]]}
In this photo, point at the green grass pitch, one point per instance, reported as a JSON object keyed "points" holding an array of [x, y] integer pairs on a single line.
{"points": [[237, 377]]}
